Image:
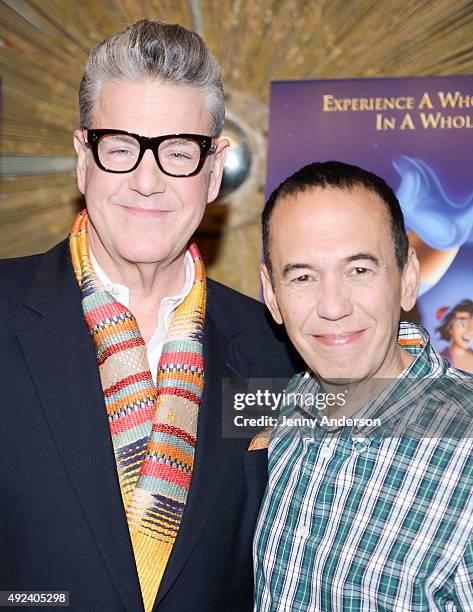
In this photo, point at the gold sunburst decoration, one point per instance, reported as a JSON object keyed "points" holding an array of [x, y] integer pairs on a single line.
{"points": [[44, 45]]}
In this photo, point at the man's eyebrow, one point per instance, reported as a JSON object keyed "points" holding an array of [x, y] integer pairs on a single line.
{"points": [[296, 266], [360, 256]]}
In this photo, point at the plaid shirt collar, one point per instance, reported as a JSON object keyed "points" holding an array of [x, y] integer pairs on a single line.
{"points": [[388, 405], [366, 522]]}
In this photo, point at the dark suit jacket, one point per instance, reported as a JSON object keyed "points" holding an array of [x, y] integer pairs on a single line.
{"points": [[62, 522]]}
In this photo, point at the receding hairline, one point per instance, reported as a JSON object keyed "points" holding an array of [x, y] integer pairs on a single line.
{"points": [[292, 196]]}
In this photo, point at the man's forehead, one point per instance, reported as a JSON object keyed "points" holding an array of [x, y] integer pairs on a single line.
{"points": [[129, 102], [323, 210], [463, 314], [144, 90], [326, 197], [331, 226]]}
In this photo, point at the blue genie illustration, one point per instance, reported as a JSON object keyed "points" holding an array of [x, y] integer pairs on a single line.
{"points": [[437, 225]]}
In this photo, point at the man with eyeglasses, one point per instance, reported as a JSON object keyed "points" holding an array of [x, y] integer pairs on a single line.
{"points": [[117, 485]]}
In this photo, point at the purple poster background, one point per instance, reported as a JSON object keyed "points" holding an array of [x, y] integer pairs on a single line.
{"points": [[427, 158]]}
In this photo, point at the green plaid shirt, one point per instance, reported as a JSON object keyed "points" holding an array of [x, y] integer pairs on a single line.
{"points": [[376, 518]]}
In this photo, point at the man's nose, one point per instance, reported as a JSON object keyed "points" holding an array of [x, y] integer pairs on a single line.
{"points": [[147, 178], [333, 299]]}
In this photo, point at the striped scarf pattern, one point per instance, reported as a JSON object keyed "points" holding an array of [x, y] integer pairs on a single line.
{"points": [[153, 428]]}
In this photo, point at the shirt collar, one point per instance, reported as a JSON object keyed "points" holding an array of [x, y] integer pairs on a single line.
{"points": [[409, 385], [122, 293]]}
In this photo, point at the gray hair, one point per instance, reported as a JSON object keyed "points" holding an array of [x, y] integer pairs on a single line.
{"points": [[156, 50]]}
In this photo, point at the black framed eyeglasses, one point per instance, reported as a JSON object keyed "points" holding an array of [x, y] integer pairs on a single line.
{"points": [[178, 155]]}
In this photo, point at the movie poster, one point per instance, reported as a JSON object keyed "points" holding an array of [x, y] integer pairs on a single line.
{"points": [[417, 133]]}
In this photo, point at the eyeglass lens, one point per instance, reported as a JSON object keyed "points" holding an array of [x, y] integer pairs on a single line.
{"points": [[178, 156]]}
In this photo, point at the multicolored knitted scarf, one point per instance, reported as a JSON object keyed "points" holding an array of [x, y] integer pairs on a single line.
{"points": [[153, 428]]}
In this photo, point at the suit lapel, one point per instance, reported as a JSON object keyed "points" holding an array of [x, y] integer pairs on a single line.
{"points": [[213, 453], [61, 359]]}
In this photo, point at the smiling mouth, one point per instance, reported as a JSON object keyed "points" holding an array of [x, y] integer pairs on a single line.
{"points": [[467, 339], [343, 339], [150, 213]]}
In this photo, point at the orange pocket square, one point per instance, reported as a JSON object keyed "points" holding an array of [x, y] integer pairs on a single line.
{"points": [[261, 440]]}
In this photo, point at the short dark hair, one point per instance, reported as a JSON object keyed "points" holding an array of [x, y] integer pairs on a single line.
{"points": [[444, 329], [340, 176]]}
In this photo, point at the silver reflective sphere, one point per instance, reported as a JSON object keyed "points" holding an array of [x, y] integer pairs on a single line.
{"points": [[238, 164]]}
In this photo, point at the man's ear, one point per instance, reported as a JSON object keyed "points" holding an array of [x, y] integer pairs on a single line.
{"points": [[81, 151], [410, 281], [216, 172], [269, 295]]}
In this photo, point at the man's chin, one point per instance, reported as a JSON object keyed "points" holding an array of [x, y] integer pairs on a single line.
{"points": [[339, 372], [150, 260], [144, 256], [343, 379]]}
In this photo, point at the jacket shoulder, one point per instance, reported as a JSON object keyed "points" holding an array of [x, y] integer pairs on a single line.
{"points": [[235, 313], [226, 297], [16, 275], [249, 325]]}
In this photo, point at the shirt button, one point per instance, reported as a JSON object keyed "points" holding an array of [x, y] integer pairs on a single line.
{"points": [[325, 452], [301, 532], [115, 291]]}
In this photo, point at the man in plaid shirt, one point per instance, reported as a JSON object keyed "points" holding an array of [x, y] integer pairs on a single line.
{"points": [[369, 504]]}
